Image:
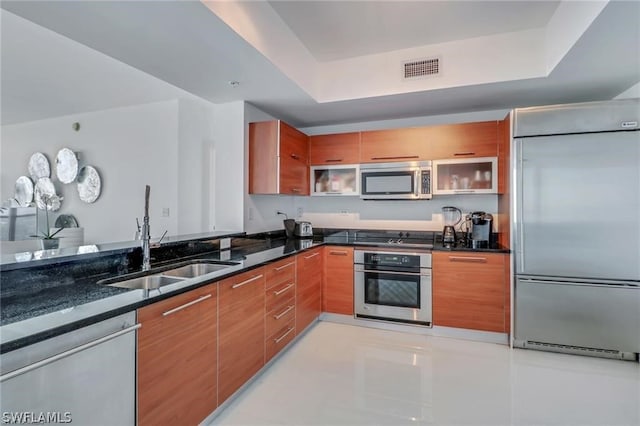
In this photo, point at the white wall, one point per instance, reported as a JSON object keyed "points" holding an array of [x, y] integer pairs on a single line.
{"points": [[352, 212], [229, 136], [196, 167], [130, 147], [431, 120]]}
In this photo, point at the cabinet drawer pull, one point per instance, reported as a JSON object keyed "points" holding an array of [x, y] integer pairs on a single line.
{"points": [[65, 354], [247, 281], [338, 253], [464, 191], [280, 268], [401, 157], [337, 160], [279, 292], [464, 153], [313, 255], [295, 156], [186, 305], [468, 259], [283, 313], [284, 335], [295, 190]]}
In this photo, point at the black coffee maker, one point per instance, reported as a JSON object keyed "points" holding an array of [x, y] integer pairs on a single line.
{"points": [[479, 230]]}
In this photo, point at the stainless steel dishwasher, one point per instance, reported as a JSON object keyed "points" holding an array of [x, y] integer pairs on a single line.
{"points": [[83, 377]]}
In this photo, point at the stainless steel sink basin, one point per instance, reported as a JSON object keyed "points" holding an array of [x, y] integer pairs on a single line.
{"points": [[149, 282], [159, 277], [195, 270]]}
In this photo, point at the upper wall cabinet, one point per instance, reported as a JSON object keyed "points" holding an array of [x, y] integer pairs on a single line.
{"points": [[465, 176], [278, 159], [343, 148], [463, 140], [382, 146]]}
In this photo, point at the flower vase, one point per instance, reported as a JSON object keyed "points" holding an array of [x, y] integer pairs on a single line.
{"points": [[50, 243]]}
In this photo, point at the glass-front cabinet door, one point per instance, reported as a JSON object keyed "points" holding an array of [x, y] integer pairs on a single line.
{"points": [[335, 180], [465, 176]]}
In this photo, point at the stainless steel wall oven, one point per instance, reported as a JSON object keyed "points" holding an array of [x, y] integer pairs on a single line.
{"points": [[393, 286]]}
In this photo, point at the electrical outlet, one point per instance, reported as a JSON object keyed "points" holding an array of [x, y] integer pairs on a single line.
{"points": [[165, 212], [250, 213], [344, 212], [300, 212]]}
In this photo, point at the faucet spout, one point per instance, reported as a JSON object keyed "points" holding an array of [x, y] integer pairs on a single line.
{"points": [[146, 235]]}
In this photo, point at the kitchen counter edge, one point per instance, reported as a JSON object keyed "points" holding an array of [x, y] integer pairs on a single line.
{"points": [[194, 284]]}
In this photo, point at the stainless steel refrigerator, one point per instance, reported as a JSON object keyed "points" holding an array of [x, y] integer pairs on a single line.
{"points": [[576, 224]]}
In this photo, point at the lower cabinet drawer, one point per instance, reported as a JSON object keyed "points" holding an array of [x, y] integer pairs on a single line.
{"points": [[276, 296], [278, 318], [281, 272], [275, 343]]}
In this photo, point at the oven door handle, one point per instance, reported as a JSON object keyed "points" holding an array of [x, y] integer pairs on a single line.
{"points": [[414, 274]]}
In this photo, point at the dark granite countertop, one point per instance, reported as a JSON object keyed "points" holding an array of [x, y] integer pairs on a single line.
{"points": [[87, 252], [495, 248], [43, 310], [347, 237], [56, 297]]}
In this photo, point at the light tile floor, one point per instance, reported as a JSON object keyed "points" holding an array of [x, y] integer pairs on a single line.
{"points": [[346, 375]]}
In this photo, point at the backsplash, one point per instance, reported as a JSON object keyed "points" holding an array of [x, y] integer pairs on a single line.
{"points": [[355, 213]]}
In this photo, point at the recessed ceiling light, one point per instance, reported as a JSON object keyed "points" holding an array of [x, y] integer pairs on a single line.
{"points": [[234, 83]]}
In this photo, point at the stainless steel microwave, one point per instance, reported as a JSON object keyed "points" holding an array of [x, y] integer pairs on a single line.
{"points": [[396, 181]]}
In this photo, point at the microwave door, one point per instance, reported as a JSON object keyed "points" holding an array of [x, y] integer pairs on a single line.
{"points": [[388, 184]]}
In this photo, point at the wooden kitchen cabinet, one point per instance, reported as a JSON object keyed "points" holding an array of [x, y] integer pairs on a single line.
{"points": [[278, 159], [463, 140], [471, 290], [241, 348], [383, 146], [309, 287], [337, 289], [341, 148], [280, 296], [177, 359]]}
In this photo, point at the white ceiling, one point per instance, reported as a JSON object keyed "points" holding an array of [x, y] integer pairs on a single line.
{"points": [[333, 30], [188, 46]]}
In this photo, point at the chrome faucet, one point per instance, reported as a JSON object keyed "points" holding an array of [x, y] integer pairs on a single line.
{"points": [[146, 236]]}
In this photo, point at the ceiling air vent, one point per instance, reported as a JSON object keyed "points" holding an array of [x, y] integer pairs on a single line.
{"points": [[421, 68]]}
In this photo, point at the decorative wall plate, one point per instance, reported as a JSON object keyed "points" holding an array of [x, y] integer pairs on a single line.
{"points": [[45, 188], [89, 184], [39, 167], [66, 221], [24, 191], [66, 165]]}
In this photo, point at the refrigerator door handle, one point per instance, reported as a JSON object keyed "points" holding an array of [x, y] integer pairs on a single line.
{"points": [[519, 205], [606, 284]]}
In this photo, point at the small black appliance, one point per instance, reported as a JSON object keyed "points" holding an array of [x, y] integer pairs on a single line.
{"points": [[481, 227]]}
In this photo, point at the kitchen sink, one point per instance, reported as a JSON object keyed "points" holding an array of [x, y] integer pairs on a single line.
{"points": [[195, 270], [149, 282], [157, 278]]}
